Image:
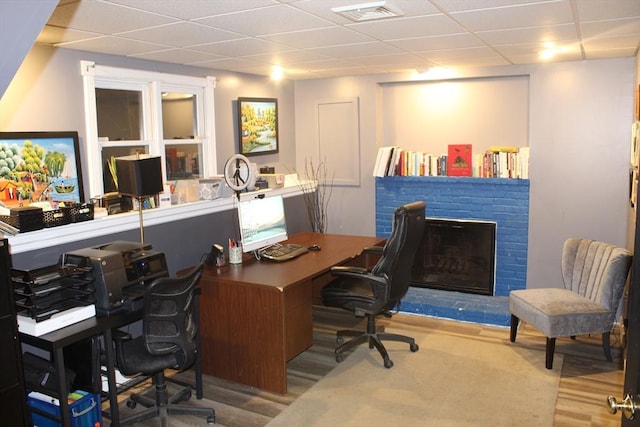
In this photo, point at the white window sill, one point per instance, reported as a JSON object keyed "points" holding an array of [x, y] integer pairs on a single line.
{"points": [[48, 237]]}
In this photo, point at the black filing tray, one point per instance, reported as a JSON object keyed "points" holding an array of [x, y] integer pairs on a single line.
{"points": [[26, 218], [42, 292]]}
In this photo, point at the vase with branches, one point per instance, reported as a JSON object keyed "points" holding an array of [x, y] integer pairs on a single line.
{"points": [[316, 191]]}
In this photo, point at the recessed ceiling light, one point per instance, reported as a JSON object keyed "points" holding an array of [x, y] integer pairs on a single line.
{"points": [[277, 72], [368, 11]]}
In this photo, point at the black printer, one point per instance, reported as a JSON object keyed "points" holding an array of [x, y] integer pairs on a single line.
{"points": [[120, 270]]}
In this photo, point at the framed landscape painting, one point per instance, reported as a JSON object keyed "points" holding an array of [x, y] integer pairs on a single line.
{"points": [[40, 166], [257, 126]]}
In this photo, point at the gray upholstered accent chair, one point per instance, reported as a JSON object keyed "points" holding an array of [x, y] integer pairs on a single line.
{"points": [[594, 275]]}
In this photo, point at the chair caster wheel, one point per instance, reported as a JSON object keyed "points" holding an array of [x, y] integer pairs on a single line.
{"points": [[388, 363], [211, 419], [131, 404], [339, 358], [414, 347], [339, 340]]}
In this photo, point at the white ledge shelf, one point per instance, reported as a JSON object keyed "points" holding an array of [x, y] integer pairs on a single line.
{"points": [[48, 237]]}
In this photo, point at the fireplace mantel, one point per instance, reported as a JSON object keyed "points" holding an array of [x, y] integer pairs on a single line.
{"points": [[503, 201]]}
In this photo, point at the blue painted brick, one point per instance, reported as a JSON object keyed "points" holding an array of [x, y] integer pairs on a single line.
{"points": [[504, 201]]}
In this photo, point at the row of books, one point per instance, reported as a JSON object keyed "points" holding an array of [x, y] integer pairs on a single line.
{"points": [[497, 162]]}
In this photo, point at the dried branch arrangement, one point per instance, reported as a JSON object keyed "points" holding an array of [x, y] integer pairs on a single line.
{"points": [[316, 197]]}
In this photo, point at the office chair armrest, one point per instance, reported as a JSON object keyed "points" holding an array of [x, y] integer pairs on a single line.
{"points": [[120, 336], [373, 250], [360, 273]]}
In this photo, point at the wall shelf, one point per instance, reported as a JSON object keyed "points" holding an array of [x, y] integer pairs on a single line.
{"points": [[48, 237]]}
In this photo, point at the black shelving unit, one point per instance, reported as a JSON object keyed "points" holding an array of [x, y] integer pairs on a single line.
{"points": [[12, 390]]}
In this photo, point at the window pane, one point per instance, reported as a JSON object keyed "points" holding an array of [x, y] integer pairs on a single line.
{"points": [[108, 165], [183, 161], [119, 114], [178, 115]]}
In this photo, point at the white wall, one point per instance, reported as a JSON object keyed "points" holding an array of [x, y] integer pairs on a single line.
{"points": [[579, 134]]}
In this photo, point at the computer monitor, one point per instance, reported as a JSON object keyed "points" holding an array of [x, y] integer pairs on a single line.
{"points": [[262, 221]]}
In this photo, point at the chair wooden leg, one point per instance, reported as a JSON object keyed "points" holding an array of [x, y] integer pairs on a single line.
{"points": [[514, 328], [606, 345], [551, 348]]}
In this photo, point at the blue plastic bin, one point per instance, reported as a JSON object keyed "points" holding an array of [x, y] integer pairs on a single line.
{"points": [[85, 412]]}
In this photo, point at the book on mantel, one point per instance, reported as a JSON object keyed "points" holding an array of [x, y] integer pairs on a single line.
{"points": [[459, 160]]}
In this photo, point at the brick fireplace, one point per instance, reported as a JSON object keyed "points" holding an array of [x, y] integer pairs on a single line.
{"points": [[503, 201]]}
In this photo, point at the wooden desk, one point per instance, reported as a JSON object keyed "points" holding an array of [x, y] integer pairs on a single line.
{"points": [[257, 316]]}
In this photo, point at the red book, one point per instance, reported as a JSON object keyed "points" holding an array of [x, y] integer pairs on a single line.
{"points": [[459, 160]]}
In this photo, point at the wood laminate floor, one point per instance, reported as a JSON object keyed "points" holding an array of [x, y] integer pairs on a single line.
{"points": [[587, 378]]}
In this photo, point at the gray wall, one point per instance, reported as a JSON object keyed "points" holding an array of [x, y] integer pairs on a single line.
{"points": [[580, 116]]}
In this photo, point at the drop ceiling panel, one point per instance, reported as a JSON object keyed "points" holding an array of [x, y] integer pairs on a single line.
{"points": [[268, 20], [241, 47], [177, 56], [104, 18], [114, 46], [190, 9], [319, 37], [180, 34], [527, 15], [404, 28], [252, 35]]}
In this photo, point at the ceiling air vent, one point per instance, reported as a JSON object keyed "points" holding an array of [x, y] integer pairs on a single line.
{"points": [[368, 11]]}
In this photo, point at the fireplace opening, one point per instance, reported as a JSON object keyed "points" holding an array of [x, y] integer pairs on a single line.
{"points": [[456, 255]]}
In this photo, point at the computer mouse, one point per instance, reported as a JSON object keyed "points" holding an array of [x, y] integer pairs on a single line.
{"points": [[314, 248]]}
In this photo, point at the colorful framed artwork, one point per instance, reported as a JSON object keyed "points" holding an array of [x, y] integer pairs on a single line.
{"points": [[40, 166], [257, 126]]}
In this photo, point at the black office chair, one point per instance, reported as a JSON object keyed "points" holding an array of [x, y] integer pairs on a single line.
{"points": [[376, 292], [169, 341]]}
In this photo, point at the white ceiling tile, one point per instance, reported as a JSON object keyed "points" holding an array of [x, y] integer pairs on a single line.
{"points": [[462, 5], [189, 9], [269, 20], [553, 33], [622, 42], [612, 28], [177, 56], [52, 35], [226, 63], [180, 34], [596, 10], [448, 41], [104, 18], [357, 49], [404, 28], [240, 47], [288, 58], [525, 15], [319, 37], [113, 46]]}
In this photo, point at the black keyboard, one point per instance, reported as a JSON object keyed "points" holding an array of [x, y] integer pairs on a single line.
{"points": [[283, 252]]}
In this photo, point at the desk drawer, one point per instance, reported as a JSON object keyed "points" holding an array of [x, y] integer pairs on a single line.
{"points": [[298, 319]]}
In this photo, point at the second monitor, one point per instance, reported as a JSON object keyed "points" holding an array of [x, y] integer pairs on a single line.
{"points": [[262, 221]]}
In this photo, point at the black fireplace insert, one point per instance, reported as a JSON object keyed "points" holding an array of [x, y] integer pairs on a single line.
{"points": [[456, 255]]}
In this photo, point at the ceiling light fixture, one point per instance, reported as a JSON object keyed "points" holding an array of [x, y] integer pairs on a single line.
{"points": [[277, 73], [368, 11]]}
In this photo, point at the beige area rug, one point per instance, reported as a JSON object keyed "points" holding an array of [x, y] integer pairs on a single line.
{"points": [[451, 381]]}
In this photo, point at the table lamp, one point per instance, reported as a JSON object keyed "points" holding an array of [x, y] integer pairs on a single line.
{"points": [[139, 176]]}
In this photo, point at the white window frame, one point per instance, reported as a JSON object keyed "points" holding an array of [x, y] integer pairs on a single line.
{"points": [[151, 84]]}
